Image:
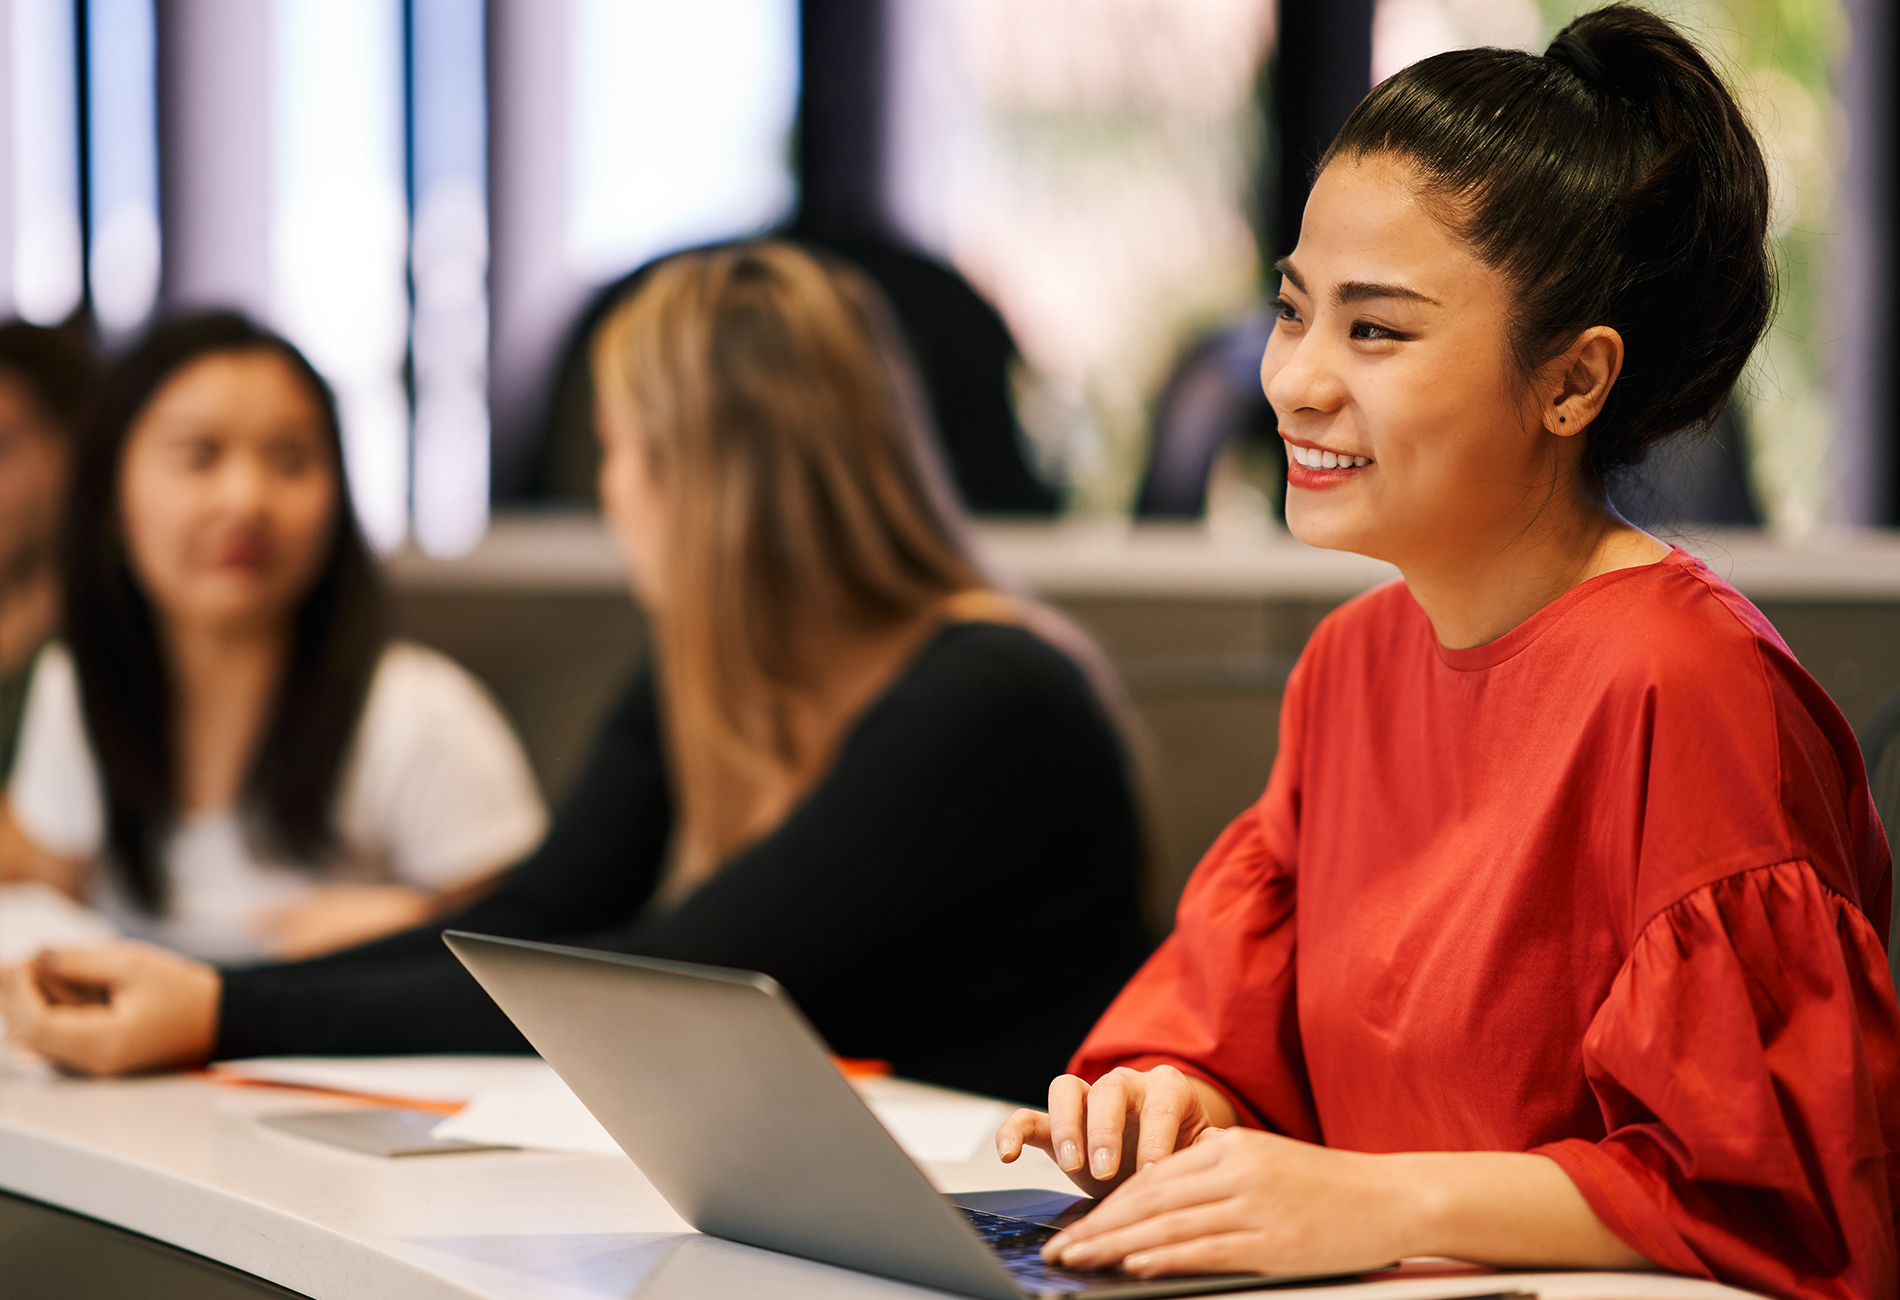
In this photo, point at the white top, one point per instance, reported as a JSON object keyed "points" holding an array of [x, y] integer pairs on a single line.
{"points": [[434, 791]]}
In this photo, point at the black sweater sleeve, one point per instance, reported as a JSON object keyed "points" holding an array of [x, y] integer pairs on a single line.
{"points": [[958, 896], [598, 866]]}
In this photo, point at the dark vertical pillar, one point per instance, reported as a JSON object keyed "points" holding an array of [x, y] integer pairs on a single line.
{"points": [[82, 78], [840, 142], [1322, 68], [1866, 353], [534, 295]]}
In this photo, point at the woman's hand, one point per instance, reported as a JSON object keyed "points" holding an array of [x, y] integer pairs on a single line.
{"points": [[1244, 1201], [341, 916], [1127, 1121], [118, 1009]]}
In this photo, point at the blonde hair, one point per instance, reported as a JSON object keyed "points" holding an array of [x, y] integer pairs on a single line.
{"points": [[783, 428]]}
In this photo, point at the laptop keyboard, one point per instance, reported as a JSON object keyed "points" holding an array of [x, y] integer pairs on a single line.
{"points": [[1018, 1244]]}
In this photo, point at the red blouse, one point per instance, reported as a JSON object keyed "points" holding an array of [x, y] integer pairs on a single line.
{"points": [[1610, 888]]}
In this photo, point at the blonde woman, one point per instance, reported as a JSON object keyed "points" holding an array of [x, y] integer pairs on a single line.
{"points": [[851, 765]]}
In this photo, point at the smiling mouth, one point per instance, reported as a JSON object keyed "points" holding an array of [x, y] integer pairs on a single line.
{"points": [[1314, 458]]}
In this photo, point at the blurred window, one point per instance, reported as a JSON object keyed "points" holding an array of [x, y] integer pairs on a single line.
{"points": [[680, 126], [41, 278], [122, 162], [448, 268], [1089, 165], [340, 230]]}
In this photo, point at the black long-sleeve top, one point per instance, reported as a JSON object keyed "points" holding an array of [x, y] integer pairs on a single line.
{"points": [[957, 896]]}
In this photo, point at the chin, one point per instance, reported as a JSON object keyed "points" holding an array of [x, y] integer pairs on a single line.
{"points": [[1324, 524], [240, 603]]}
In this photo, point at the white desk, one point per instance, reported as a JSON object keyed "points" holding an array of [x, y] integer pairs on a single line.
{"points": [[183, 1160]]}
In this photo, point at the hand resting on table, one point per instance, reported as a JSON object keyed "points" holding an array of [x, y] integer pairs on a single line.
{"points": [[116, 1009]]}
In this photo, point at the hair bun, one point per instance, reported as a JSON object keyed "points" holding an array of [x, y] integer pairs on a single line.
{"points": [[1573, 50], [1618, 51]]}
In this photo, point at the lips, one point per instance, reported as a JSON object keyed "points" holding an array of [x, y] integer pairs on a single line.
{"points": [[1315, 468]]}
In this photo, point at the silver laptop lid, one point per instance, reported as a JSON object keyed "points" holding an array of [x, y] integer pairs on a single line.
{"points": [[719, 1090]]}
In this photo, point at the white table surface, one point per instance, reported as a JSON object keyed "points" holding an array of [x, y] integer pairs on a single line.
{"points": [[184, 1160]]}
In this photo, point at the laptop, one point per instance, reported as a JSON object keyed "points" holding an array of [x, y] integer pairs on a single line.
{"points": [[717, 1087]]}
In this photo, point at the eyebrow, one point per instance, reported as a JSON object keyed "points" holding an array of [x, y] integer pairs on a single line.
{"points": [[1357, 290]]}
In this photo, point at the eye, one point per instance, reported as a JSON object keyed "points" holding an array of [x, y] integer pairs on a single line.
{"points": [[290, 457], [1364, 331], [200, 453], [1284, 310]]}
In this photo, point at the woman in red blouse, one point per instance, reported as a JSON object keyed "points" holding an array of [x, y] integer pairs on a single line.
{"points": [[1558, 937]]}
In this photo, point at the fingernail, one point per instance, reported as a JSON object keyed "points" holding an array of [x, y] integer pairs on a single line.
{"points": [[1103, 1163], [1135, 1263], [1071, 1158]]}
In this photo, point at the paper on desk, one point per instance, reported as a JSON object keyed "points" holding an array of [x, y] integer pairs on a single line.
{"points": [[541, 1111], [35, 916], [436, 1080]]}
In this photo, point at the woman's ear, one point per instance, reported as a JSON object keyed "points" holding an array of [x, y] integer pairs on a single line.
{"points": [[1579, 381]]}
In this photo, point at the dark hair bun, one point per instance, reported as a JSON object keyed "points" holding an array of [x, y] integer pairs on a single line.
{"points": [[1615, 182]]}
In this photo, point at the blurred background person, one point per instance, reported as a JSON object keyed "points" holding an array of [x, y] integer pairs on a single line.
{"points": [[848, 747], [46, 379], [227, 755]]}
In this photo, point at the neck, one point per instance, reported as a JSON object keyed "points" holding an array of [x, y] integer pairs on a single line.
{"points": [[225, 676], [29, 611], [1476, 592]]}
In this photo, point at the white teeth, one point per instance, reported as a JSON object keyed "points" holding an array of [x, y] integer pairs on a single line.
{"points": [[1314, 458]]}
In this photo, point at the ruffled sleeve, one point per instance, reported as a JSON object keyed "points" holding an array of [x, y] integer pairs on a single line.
{"points": [[1735, 1062]]}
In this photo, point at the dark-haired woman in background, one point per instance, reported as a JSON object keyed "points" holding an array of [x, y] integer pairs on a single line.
{"points": [[848, 746], [1557, 937], [227, 755], [46, 381]]}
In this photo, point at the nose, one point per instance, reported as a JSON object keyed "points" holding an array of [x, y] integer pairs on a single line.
{"points": [[244, 486], [1300, 375]]}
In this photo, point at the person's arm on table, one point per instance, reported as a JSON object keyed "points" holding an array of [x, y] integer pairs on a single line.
{"points": [[403, 993], [1205, 1197], [114, 1009]]}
